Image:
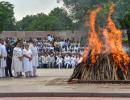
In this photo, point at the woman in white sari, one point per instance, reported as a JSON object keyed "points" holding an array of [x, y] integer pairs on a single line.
{"points": [[27, 61], [17, 60]]}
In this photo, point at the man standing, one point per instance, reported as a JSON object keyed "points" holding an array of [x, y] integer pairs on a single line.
{"points": [[8, 71], [1, 69], [3, 58], [34, 58]]}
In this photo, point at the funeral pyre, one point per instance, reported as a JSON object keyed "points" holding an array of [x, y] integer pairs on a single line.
{"points": [[104, 58]]}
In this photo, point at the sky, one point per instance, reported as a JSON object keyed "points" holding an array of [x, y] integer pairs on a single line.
{"points": [[32, 7]]}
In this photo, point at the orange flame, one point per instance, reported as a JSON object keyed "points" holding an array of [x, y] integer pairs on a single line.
{"points": [[94, 43], [113, 38], [112, 45]]}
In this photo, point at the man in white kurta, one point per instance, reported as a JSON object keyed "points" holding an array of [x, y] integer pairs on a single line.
{"points": [[52, 61], [59, 61], [3, 58], [17, 60], [67, 60], [34, 57], [1, 69], [73, 61], [27, 61]]}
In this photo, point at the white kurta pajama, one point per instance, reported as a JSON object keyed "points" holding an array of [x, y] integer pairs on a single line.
{"points": [[34, 56], [73, 62], [67, 61], [16, 62], [59, 62], [4, 56], [27, 65], [2, 70], [3, 53]]}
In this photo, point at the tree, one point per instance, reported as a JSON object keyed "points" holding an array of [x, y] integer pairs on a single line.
{"points": [[39, 22], [24, 24], [125, 24], [79, 8], [44, 23], [122, 16], [62, 15], [57, 19], [7, 19]]}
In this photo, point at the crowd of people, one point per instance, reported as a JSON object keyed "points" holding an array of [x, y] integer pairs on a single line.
{"points": [[18, 57], [59, 53]]}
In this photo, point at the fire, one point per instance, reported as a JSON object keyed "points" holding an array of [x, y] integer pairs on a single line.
{"points": [[94, 43], [113, 38], [113, 43]]}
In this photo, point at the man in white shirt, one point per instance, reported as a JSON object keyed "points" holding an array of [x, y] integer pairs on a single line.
{"points": [[51, 61], [67, 61], [59, 61], [3, 58], [73, 61], [34, 58], [45, 60], [76, 48], [1, 69], [50, 38]]}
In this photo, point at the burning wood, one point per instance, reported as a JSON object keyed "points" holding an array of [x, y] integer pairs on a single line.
{"points": [[103, 61]]}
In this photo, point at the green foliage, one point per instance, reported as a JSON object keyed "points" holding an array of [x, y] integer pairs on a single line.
{"points": [[125, 22], [64, 20], [79, 8], [44, 23], [58, 19], [39, 22], [7, 19], [125, 39], [24, 24]]}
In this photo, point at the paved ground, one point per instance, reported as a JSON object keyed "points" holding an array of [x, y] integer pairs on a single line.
{"points": [[55, 81], [66, 98]]}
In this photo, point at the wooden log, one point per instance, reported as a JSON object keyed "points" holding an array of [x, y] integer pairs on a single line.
{"points": [[103, 69]]}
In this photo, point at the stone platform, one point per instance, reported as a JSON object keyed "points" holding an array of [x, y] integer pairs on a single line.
{"points": [[53, 83]]}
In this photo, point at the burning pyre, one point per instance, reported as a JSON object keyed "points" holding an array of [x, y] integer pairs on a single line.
{"points": [[104, 59]]}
